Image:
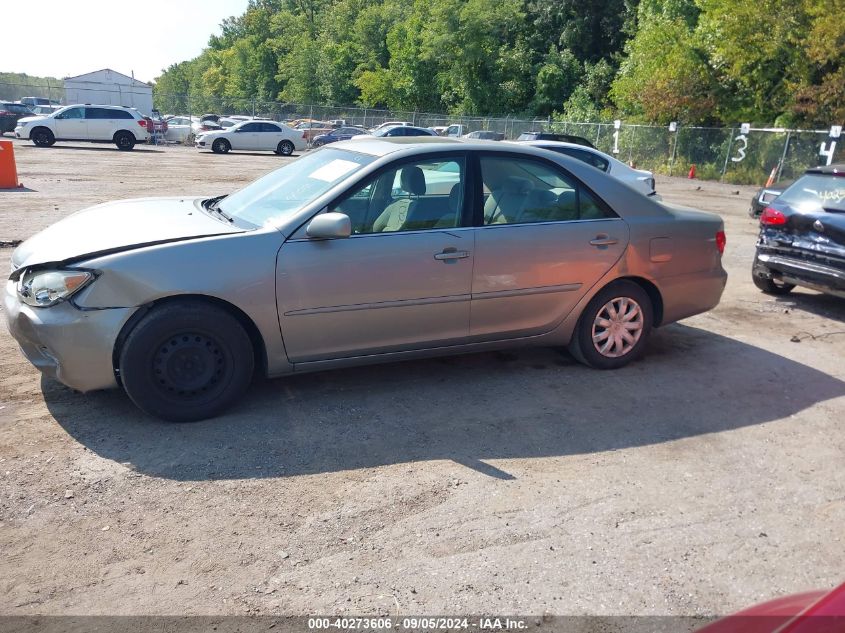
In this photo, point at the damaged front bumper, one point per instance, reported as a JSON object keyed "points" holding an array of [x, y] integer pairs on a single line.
{"points": [[72, 345]]}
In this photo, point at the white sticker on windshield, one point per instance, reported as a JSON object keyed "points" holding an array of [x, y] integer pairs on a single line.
{"points": [[333, 170]]}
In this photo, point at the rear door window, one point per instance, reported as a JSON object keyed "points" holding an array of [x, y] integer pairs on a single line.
{"points": [[521, 191], [585, 157]]}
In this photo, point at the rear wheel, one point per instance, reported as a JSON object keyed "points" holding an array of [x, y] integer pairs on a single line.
{"points": [[186, 361], [221, 146], [124, 141], [762, 278], [614, 327], [42, 137], [285, 148]]}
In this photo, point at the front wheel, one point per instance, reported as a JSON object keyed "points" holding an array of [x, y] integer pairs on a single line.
{"points": [[614, 327], [221, 146], [42, 137], [285, 148], [186, 361], [125, 141]]}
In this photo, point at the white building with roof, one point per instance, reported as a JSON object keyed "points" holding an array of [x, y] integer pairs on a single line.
{"points": [[109, 87]]}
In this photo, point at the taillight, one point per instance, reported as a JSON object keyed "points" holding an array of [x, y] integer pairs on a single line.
{"points": [[303, 135], [5, 113], [772, 217], [142, 123], [721, 240]]}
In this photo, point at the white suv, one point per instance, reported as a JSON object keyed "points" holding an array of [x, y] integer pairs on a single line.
{"points": [[97, 123]]}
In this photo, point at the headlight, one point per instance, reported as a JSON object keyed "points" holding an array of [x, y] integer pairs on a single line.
{"points": [[23, 123], [45, 288]]}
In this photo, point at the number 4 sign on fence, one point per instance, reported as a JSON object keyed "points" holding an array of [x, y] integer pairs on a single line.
{"points": [[835, 133]]}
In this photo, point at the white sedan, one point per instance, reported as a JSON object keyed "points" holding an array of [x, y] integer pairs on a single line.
{"points": [[179, 128], [638, 179], [253, 135]]}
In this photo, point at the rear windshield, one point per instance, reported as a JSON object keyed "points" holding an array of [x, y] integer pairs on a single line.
{"points": [[816, 192]]}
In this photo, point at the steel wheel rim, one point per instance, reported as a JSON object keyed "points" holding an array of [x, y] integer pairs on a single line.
{"points": [[190, 365], [617, 327]]}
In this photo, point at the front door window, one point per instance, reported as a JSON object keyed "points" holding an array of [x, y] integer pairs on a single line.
{"points": [[411, 197]]}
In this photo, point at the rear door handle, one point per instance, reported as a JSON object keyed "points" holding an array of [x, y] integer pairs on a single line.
{"points": [[450, 254], [603, 240]]}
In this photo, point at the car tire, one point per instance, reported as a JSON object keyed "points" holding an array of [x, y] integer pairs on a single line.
{"points": [[221, 146], [186, 361], [285, 148], [125, 141], [600, 340], [766, 283], [316, 144], [42, 137]]}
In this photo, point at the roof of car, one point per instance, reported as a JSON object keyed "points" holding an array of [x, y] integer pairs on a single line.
{"points": [[383, 145], [836, 170], [539, 143]]}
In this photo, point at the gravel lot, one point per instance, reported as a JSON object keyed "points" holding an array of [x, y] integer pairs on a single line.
{"points": [[703, 478]]}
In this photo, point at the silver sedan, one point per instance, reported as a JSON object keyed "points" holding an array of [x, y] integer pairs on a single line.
{"points": [[369, 250]]}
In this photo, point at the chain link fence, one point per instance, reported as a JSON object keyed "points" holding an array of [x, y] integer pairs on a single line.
{"points": [[725, 154]]}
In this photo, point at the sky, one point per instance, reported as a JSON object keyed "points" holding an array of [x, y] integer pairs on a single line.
{"points": [[73, 38]]}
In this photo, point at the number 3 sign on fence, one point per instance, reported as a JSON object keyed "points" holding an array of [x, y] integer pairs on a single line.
{"points": [[835, 133], [744, 129]]}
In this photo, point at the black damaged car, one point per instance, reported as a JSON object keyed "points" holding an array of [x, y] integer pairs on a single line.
{"points": [[765, 195], [802, 235]]}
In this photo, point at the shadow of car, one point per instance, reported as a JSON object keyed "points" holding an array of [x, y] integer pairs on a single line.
{"points": [[502, 405]]}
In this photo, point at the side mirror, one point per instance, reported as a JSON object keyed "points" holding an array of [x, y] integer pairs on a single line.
{"points": [[329, 226]]}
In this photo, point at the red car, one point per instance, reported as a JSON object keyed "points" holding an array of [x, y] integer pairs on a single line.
{"points": [[811, 612]]}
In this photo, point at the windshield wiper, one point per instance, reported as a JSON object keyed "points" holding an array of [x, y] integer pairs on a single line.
{"points": [[212, 205]]}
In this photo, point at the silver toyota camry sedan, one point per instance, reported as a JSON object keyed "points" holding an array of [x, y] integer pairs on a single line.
{"points": [[369, 250]]}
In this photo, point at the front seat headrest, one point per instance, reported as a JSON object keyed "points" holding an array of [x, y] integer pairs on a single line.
{"points": [[412, 180]]}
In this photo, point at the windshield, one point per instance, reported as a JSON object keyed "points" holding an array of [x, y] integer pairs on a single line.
{"points": [[282, 192], [816, 192]]}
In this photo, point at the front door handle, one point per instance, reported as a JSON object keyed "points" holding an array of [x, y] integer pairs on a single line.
{"points": [[451, 254], [603, 239]]}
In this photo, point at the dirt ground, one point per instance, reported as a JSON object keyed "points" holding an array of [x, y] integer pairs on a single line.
{"points": [[704, 478]]}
